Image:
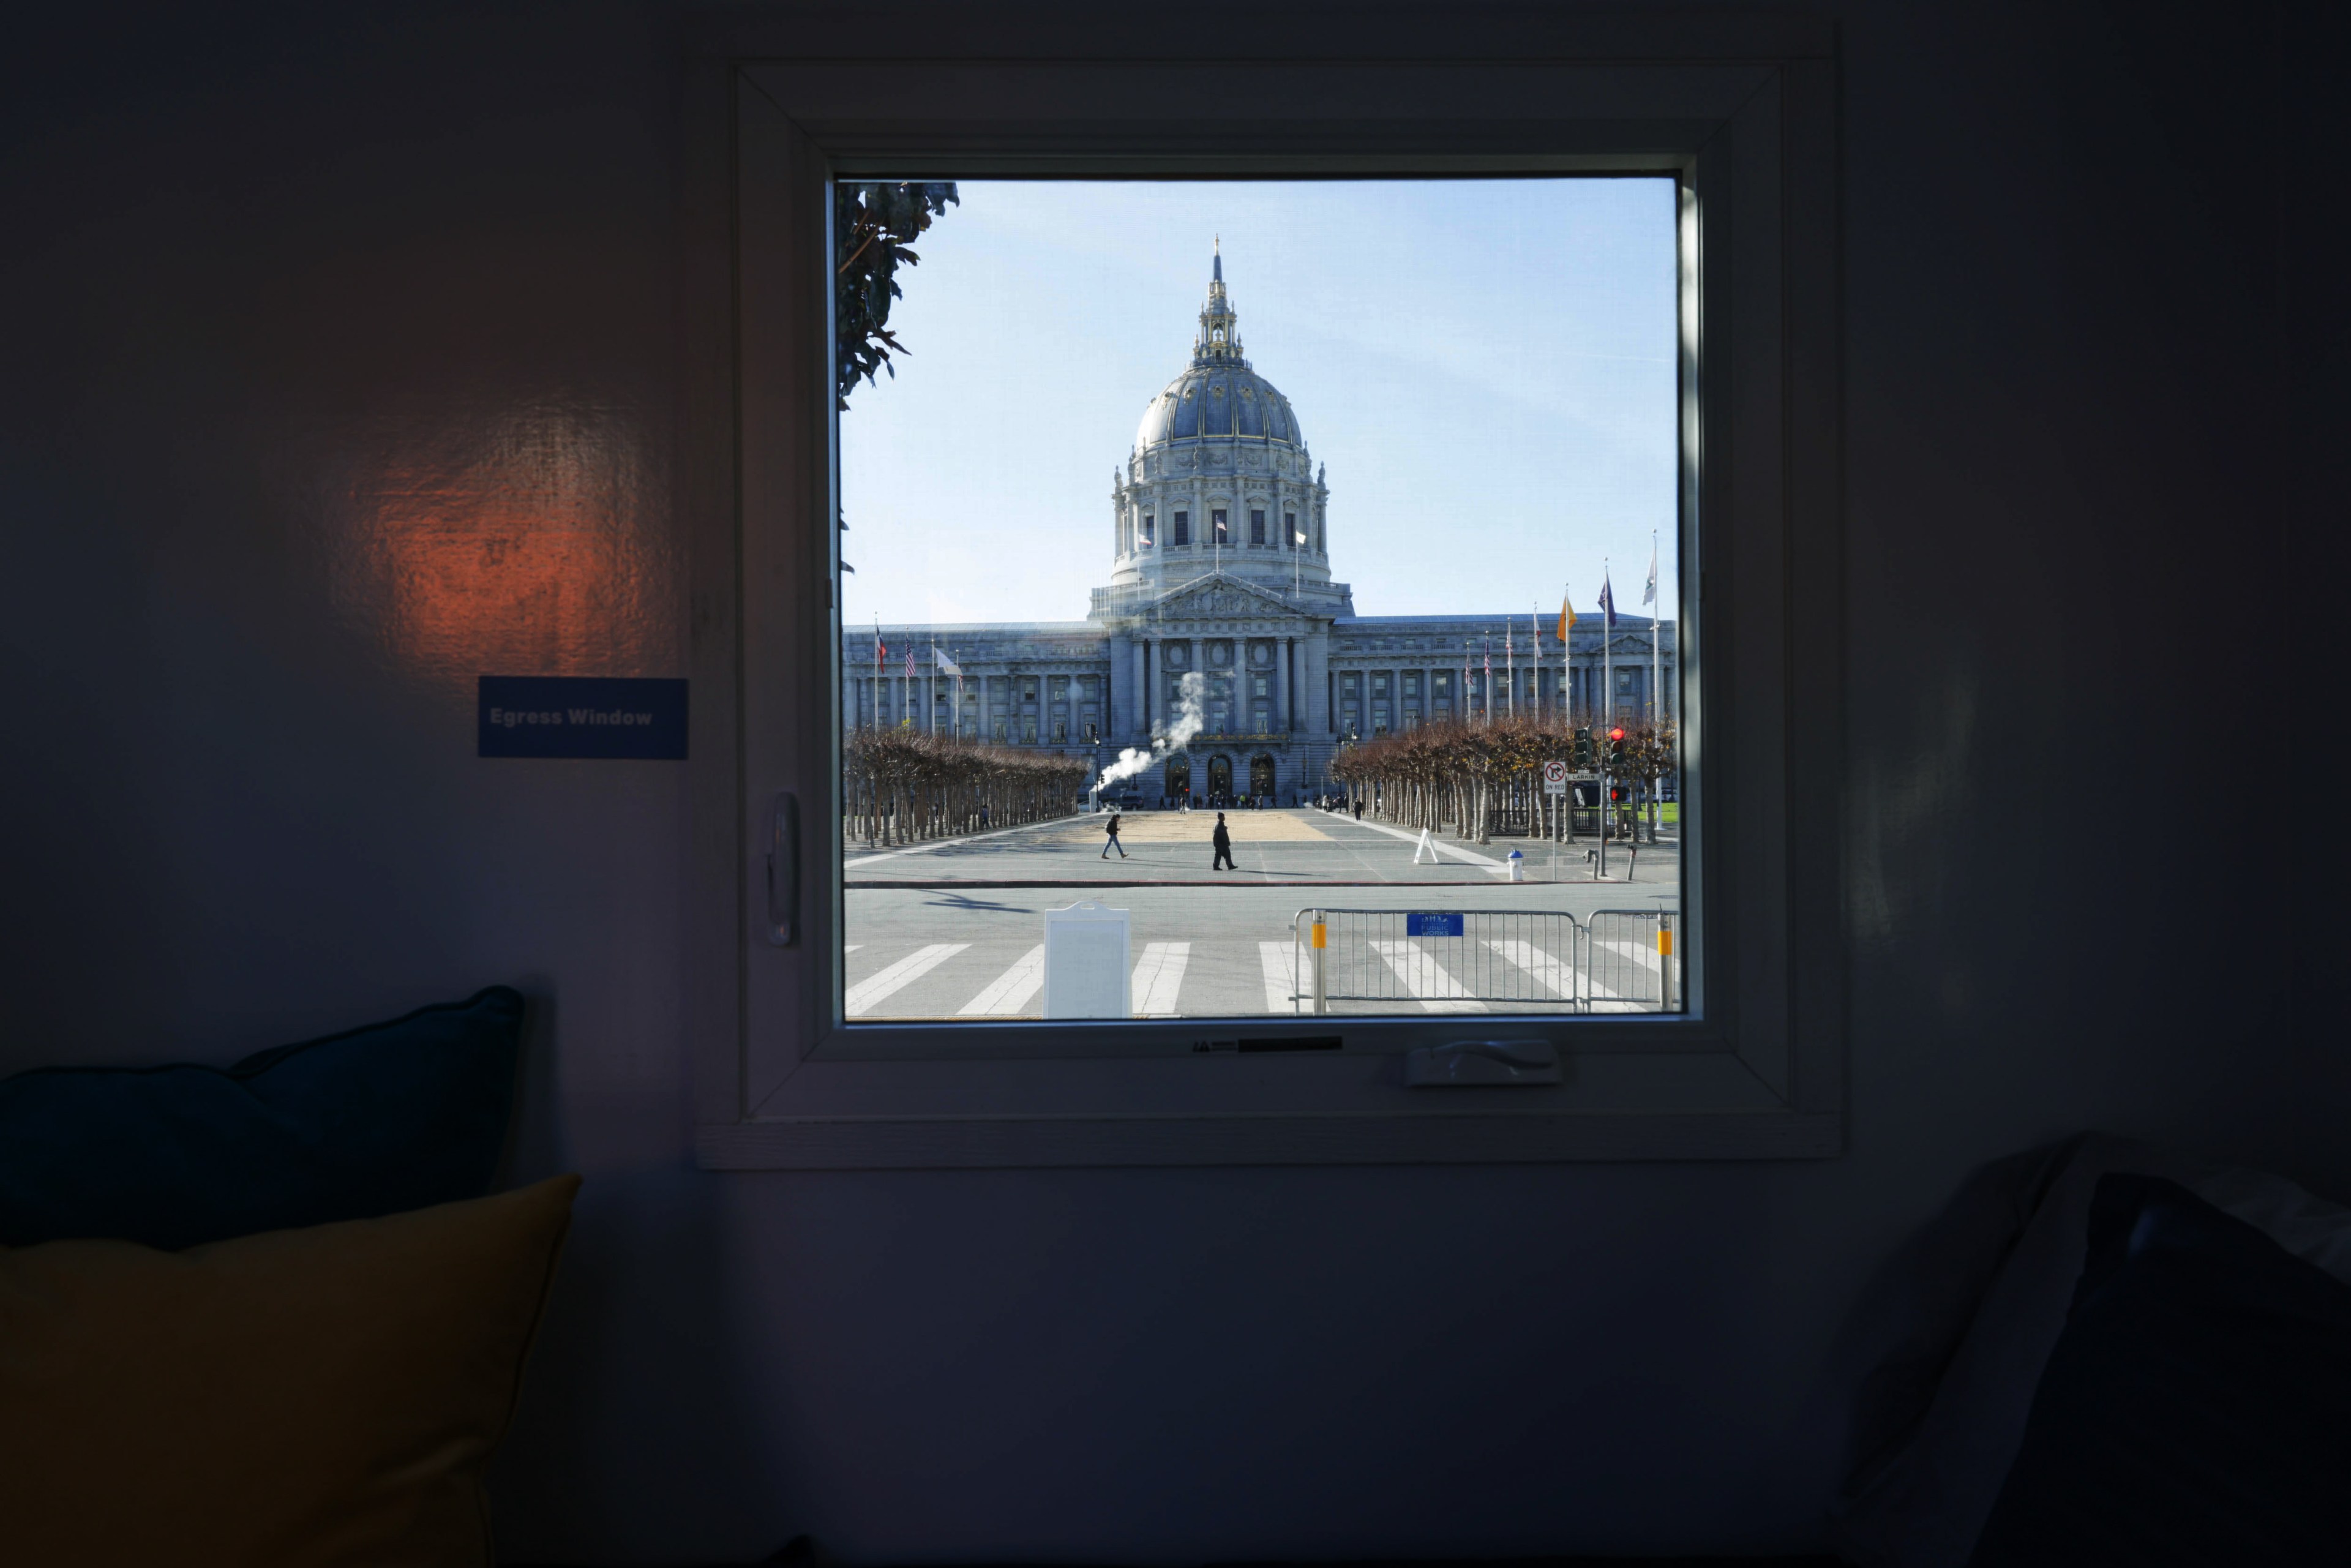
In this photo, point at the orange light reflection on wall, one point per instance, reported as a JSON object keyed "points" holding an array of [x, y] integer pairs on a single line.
{"points": [[535, 543]]}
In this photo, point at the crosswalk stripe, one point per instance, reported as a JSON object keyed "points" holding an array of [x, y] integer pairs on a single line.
{"points": [[1010, 991], [1280, 982], [853, 946], [1425, 980], [1551, 973], [1640, 953], [1158, 976], [863, 994]]}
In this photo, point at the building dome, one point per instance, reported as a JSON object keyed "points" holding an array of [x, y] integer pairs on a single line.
{"points": [[1218, 397], [1221, 484], [1218, 401]]}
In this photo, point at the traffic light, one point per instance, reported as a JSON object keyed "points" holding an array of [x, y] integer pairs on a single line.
{"points": [[1584, 748], [1618, 794], [1617, 749]]}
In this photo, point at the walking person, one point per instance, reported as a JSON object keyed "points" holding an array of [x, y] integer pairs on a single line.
{"points": [[1359, 808], [1224, 843], [1111, 842]]}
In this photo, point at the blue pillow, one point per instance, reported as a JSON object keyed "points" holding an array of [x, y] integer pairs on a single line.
{"points": [[393, 1116], [2196, 1409]]}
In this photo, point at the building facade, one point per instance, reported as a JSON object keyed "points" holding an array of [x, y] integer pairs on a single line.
{"points": [[1221, 565]]}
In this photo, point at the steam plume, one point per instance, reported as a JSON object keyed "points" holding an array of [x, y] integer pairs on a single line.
{"points": [[1177, 736]]}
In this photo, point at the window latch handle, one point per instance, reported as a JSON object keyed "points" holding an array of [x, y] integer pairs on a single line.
{"points": [[784, 871]]}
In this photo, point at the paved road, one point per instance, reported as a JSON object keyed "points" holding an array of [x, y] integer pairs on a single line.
{"points": [[957, 931], [1302, 847]]}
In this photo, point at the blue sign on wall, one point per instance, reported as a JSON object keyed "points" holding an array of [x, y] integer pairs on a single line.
{"points": [[1432, 926], [581, 715]]}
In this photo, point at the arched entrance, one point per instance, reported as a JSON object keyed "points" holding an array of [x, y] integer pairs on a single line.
{"points": [[1262, 775], [1179, 777], [1221, 777]]}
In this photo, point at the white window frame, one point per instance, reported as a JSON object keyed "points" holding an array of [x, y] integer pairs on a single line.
{"points": [[1740, 110]]}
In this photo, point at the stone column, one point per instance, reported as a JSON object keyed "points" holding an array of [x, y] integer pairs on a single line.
{"points": [[1147, 663], [1321, 718], [1281, 683], [1118, 646]]}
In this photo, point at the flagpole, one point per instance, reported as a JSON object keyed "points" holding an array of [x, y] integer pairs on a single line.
{"points": [[1511, 666], [1656, 633]]}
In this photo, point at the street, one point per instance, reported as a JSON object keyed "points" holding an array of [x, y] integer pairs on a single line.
{"points": [[955, 930]]}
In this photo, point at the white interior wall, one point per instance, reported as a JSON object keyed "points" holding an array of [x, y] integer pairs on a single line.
{"points": [[327, 327]]}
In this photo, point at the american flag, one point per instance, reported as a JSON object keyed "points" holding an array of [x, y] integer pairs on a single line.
{"points": [[910, 662]]}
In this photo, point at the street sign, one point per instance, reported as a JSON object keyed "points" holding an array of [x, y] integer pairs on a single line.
{"points": [[1554, 778]]}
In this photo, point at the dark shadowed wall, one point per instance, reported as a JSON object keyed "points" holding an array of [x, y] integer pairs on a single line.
{"points": [[340, 363]]}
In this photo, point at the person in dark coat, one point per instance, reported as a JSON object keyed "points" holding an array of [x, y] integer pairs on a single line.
{"points": [[1224, 843], [1110, 843]]}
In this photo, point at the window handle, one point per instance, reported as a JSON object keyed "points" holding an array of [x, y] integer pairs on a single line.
{"points": [[784, 871]]}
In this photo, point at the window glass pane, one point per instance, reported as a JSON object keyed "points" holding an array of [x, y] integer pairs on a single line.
{"points": [[1331, 697]]}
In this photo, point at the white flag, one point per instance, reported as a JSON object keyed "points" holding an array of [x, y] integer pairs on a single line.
{"points": [[947, 664], [1649, 594]]}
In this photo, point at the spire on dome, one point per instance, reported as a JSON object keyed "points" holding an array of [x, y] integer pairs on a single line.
{"points": [[1220, 339]]}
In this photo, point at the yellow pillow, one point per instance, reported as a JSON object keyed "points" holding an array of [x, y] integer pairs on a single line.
{"points": [[329, 1395]]}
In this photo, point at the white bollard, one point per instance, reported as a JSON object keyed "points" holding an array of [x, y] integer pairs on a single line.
{"points": [[1517, 866]]}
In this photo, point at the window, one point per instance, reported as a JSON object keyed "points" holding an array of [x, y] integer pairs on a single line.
{"points": [[1183, 535], [1257, 526], [1146, 530], [1290, 538], [1751, 1065]]}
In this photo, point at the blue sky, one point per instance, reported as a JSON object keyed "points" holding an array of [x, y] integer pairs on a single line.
{"points": [[1484, 367]]}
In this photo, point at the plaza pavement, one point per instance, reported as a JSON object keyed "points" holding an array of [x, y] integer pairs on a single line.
{"points": [[955, 930]]}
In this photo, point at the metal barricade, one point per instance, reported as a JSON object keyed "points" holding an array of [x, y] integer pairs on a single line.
{"points": [[1468, 961], [1631, 964]]}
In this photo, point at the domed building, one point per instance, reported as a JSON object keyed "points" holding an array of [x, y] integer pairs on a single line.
{"points": [[1221, 565], [1220, 479]]}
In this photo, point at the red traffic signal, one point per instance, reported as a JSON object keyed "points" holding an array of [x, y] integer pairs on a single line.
{"points": [[1617, 733]]}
